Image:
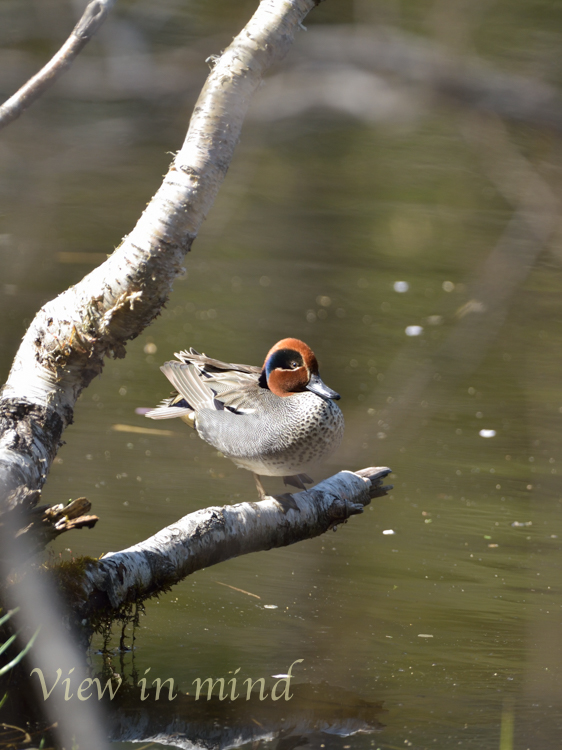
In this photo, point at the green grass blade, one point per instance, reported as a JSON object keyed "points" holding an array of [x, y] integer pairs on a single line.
{"points": [[8, 615], [20, 656], [8, 643]]}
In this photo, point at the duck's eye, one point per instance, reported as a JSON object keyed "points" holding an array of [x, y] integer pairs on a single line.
{"points": [[283, 359]]}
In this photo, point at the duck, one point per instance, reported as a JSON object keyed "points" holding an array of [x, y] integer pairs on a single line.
{"points": [[276, 420]]}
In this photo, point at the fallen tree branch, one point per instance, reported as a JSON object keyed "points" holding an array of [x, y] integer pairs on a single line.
{"points": [[92, 18], [212, 535], [65, 345]]}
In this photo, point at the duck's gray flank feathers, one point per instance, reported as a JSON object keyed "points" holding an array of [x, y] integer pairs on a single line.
{"points": [[270, 422]]}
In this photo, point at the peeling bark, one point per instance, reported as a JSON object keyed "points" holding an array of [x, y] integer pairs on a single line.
{"points": [[29, 439]]}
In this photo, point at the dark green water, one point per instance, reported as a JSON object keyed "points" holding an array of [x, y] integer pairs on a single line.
{"points": [[452, 621]]}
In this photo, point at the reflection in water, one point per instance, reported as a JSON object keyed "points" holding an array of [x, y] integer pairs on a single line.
{"points": [[313, 715], [302, 714], [345, 234]]}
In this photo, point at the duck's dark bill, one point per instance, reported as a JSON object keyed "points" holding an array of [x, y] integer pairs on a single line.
{"points": [[317, 385]]}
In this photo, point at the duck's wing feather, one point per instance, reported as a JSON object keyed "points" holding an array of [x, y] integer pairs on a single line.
{"points": [[189, 384], [204, 383], [170, 408], [210, 365], [163, 411], [232, 385], [239, 394]]}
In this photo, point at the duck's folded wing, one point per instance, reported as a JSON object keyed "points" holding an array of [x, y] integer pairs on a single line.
{"points": [[198, 389], [189, 384], [237, 391], [210, 365]]}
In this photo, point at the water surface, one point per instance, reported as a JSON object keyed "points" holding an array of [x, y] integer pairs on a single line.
{"points": [[452, 621]]}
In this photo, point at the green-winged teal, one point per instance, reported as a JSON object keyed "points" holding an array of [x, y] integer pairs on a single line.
{"points": [[275, 420]]}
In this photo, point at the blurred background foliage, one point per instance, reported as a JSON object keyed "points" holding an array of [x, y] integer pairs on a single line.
{"points": [[394, 202]]}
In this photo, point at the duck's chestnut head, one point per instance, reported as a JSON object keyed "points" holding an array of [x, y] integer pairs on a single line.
{"points": [[291, 367]]}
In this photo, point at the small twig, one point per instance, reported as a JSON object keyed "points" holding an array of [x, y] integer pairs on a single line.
{"points": [[234, 588], [92, 18], [40, 525]]}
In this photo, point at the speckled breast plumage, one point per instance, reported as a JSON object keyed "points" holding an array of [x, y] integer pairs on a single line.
{"points": [[281, 436]]}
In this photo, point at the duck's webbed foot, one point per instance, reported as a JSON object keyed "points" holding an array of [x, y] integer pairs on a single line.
{"points": [[286, 501], [298, 480]]}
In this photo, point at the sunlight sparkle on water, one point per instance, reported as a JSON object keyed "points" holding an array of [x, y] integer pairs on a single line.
{"points": [[414, 330], [487, 433]]}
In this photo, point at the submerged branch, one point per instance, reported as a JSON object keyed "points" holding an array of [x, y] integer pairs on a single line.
{"points": [[212, 535]]}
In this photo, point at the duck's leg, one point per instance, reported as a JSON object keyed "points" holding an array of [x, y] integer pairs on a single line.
{"points": [[259, 485], [298, 480]]}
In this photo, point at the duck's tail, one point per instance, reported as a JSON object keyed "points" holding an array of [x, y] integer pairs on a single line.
{"points": [[193, 393]]}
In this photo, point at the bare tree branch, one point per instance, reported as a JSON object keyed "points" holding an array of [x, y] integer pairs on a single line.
{"points": [[92, 18], [213, 535], [65, 345]]}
